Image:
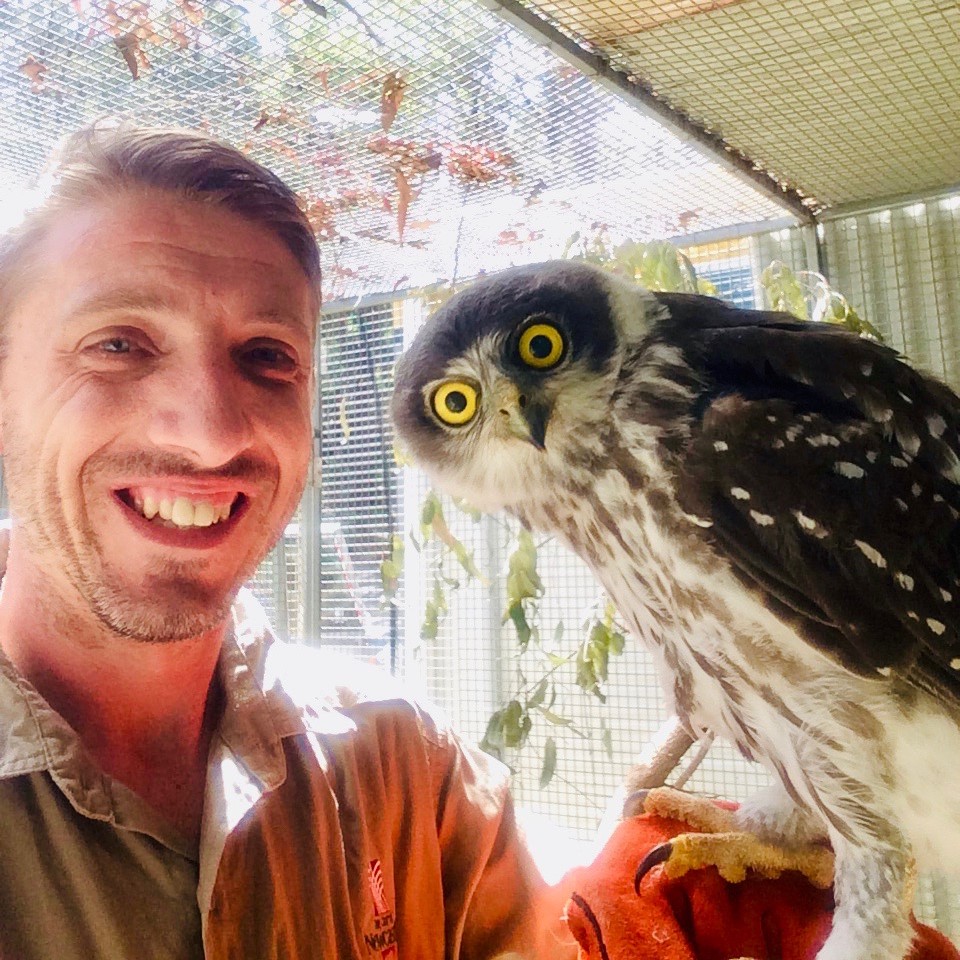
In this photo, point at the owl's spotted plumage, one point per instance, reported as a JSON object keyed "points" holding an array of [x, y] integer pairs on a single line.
{"points": [[773, 507]]}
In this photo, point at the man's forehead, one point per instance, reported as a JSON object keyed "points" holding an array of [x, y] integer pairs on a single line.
{"points": [[167, 226], [141, 249]]}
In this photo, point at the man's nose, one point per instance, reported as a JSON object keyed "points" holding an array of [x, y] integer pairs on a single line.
{"points": [[201, 410]]}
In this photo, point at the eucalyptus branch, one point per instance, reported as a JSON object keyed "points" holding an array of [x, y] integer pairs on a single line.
{"points": [[361, 20], [591, 800]]}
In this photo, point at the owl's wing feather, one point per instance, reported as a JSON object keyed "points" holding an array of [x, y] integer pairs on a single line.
{"points": [[829, 472], [824, 367]]}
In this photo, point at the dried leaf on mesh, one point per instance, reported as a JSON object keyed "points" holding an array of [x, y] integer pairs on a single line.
{"points": [[475, 163], [129, 46], [391, 96], [180, 34], [35, 71], [191, 10]]}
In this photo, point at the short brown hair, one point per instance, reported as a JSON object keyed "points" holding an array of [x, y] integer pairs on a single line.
{"points": [[96, 162]]}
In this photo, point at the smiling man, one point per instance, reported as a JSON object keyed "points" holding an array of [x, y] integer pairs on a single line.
{"points": [[173, 782]]}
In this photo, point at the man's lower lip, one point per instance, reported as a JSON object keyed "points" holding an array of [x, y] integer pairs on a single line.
{"points": [[170, 535]]}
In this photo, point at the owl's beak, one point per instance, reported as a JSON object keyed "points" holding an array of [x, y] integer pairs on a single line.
{"points": [[523, 416]]}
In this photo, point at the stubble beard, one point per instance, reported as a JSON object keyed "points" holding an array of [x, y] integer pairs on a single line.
{"points": [[170, 604], [178, 608]]}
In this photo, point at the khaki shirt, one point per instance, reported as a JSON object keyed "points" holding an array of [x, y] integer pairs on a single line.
{"points": [[341, 820]]}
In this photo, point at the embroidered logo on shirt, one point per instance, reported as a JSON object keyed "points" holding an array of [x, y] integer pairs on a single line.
{"points": [[377, 888], [384, 937]]}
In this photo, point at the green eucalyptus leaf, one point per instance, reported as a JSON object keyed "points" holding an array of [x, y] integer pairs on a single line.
{"points": [[431, 504], [586, 676], [572, 240], [433, 611], [465, 559], [464, 507], [600, 659], [516, 724], [783, 290], [391, 568], [549, 761], [431, 622], [606, 739], [554, 718], [492, 741], [539, 694], [516, 614]]}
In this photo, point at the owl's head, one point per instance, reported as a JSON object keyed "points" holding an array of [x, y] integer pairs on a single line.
{"points": [[507, 372]]}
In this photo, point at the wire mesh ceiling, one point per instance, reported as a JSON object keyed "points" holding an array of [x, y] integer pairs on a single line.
{"points": [[845, 100], [428, 140]]}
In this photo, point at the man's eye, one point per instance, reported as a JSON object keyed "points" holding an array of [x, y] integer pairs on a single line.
{"points": [[116, 345], [271, 360]]}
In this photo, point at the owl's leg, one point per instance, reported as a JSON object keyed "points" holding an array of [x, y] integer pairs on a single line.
{"points": [[874, 873], [874, 876], [722, 842], [772, 816], [872, 889]]}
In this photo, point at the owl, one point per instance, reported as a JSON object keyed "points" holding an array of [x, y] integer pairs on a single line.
{"points": [[771, 504]]}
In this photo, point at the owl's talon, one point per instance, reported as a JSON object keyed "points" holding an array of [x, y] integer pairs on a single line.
{"points": [[659, 854], [734, 855], [634, 803]]}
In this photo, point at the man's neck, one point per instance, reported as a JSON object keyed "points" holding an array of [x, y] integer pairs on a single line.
{"points": [[145, 712]]}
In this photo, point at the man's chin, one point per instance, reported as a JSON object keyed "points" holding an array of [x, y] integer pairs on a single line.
{"points": [[169, 614]]}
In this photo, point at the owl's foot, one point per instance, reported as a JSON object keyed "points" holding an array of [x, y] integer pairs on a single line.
{"points": [[719, 844], [734, 854]]}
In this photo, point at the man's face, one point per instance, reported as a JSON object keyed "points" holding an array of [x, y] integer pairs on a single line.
{"points": [[159, 360]]}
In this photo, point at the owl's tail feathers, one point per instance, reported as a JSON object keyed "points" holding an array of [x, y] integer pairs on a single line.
{"points": [[718, 844]]}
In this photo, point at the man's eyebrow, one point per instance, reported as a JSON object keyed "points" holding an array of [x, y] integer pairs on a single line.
{"points": [[128, 300], [285, 318]]}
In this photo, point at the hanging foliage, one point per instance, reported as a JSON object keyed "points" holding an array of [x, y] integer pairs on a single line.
{"points": [[35, 72], [391, 96]]}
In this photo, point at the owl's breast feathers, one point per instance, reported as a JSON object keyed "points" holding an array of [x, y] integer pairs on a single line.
{"points": [[824, 470]]}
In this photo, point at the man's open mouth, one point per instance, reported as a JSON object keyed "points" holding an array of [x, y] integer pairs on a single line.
{"points": [[178, 511]]}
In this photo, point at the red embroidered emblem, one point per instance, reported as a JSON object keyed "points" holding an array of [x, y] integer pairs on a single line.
{"points": [[383, 939], [377, 889]]}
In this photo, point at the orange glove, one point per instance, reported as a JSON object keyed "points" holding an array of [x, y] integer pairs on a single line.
{"points": [[700, 916]]}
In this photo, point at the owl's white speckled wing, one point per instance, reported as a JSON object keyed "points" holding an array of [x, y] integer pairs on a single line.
{"points": [[828, 471]]}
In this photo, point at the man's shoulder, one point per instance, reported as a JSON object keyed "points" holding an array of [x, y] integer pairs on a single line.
{"points": [[315, 674], [328, 690]]}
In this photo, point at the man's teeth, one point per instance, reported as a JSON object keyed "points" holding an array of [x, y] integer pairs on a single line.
{"points": [[183, 512]]}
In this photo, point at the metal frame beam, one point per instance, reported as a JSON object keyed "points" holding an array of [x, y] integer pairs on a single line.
{"points": [[877, 204], [641, 97]]}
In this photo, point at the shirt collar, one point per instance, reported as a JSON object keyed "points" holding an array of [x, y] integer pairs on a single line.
{"points": [[258, 712]]}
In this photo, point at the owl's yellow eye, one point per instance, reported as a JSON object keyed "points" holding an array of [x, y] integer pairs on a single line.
{"points": [[541, 345], [455, 402]]}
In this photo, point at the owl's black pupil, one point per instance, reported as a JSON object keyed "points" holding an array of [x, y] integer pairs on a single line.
{"points": [[456, 401], [541, 346]]}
